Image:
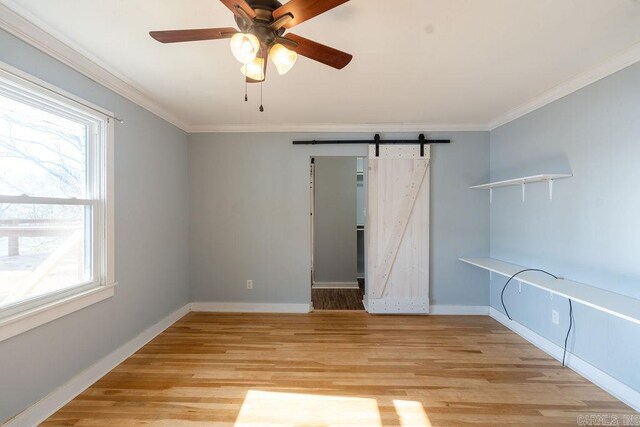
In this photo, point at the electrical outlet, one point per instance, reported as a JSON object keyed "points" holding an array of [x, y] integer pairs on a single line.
{"points": [[249, 284], [555, 317]]}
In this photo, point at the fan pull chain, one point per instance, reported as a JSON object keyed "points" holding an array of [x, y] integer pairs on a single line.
{"points": [[246, 98], [261, 107]]}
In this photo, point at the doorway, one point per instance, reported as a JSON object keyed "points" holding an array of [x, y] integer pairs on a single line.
{"points": [[338, 187]]}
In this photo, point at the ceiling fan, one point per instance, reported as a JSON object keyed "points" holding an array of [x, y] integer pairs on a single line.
{"points": [[262, 26]]}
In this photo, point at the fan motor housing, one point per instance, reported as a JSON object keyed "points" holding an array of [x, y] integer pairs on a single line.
{"points": [[269, 5], [260, 24]]}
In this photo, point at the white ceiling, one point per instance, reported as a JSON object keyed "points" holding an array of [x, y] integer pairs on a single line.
{"points": [[453, 62]]}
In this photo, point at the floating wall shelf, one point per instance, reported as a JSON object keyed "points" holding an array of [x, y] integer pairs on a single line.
{"points": [[622, 306], [522, 181]]}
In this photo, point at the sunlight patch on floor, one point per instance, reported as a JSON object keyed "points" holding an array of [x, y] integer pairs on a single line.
{"points": [[263, 408], [411, 413]]}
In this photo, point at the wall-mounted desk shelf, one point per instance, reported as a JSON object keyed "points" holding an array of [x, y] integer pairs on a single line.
{"points": [[618, 305], [522, 181]]}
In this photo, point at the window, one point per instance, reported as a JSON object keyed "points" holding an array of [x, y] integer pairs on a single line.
{"points": [[55, 232]]}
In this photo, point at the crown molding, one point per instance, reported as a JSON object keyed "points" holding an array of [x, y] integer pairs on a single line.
{"points": [[22, 25], [338, 127], [612, 65]]}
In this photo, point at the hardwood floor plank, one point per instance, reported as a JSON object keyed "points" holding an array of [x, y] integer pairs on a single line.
{"points": [[338, 368], [337, 299]]}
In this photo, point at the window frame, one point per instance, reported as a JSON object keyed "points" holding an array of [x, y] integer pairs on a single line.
{"points": [[32, 312]]}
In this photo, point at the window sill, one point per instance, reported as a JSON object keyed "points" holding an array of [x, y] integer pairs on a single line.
{"points": [[26, 320]]}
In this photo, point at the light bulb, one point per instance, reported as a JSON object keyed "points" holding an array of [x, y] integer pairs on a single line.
{"points": [[283, 58], [245, 47], [254, 70]]}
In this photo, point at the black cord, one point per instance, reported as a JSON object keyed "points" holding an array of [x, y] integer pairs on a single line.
{"points": [[511, 278], [566, 339], [264, 76]]}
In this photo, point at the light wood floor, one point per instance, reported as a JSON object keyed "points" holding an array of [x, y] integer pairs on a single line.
{"points": [[337, 369]]}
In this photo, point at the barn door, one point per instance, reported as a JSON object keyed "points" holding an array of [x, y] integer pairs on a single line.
{"points": [[398, 230]]}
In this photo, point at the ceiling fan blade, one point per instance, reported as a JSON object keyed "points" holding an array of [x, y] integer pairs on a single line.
{"points": [[303, 10], [175, 36], [242, 4], [318, 52]]}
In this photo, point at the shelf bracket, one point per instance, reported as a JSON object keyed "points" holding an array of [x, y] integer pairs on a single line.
{"points": [[551, 189], [524, 185]]}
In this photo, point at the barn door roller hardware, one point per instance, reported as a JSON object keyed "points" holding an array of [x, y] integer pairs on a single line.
{"points": [[377, 141]]}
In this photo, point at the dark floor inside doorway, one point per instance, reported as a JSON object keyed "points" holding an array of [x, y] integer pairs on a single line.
{"points": [[338, 299]]}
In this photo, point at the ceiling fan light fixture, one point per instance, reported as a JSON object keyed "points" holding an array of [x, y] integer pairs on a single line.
{"points": [[245, 47], [254, 70], [283, 58], [263, 23]]}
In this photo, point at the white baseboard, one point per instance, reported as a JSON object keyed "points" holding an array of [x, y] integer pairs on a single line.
{"points": [[41, 410], [603, 380], [335, 285], [460, 310], [248, 307]]}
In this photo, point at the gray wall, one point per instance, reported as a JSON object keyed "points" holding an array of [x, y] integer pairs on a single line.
{"points": [[590, 232], [249, 217], [151, 247], [335, 252]]}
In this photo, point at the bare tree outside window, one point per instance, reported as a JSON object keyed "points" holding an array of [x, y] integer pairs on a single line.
{"points": [[43, 247]]}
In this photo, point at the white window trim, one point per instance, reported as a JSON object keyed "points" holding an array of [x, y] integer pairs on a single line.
{"points": [[29, 319], [50, 307]]}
